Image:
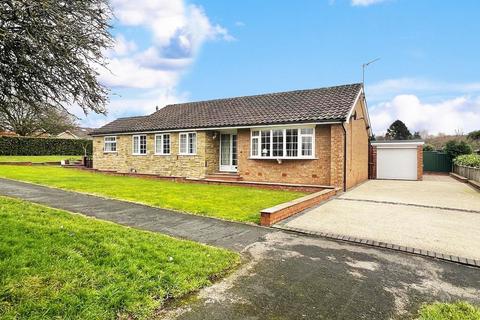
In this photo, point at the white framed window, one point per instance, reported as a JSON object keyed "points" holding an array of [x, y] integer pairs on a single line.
{"points": [[110, 144], [284, 143], [188, 143], [162, 144], [139, 144]]}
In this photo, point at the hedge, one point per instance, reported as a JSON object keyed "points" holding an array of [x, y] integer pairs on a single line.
{"points": [[468, 160], [22, 146]]}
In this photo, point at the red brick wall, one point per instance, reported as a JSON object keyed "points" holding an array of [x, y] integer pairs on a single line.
{"points": [[419, 162], [372, 159], [316, 171]]}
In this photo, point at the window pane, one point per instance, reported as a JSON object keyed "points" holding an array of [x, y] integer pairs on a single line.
{"points": [[143, 144], [255, 146], [135, 144], [234, 150], [192, 143], [183, 143], [265, 145], [166, 144], [306, 145], [255, 133], [307, 131], [292, 142], [278, 143], [158, 144]]}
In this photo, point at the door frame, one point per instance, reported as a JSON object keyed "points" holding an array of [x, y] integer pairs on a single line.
{"points": [[230, 167]]}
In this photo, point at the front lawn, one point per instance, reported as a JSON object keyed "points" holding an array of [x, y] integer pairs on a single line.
{"points": [[449, 311], [37, 159], [55, 264], [225, 202]]}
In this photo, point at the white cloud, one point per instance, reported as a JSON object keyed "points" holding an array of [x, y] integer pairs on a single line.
{"points": [[175, 32], [447, 116], [365, 3]]}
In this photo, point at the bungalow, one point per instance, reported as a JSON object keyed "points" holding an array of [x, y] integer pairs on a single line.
{"points": [[316, 137]]}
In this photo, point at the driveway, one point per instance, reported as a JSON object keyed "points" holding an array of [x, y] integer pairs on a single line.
{"points": [[438, 214]]}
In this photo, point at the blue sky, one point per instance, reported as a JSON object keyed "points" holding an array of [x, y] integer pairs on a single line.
{"points": [[175, 50]]}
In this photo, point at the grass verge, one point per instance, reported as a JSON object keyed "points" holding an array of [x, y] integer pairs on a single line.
{"points": [[37, 159], [54, 264], [449, 311], [226, 202]]}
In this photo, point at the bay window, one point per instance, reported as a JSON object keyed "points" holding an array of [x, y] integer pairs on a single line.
{"points": [[139, 144], [283, 143]]}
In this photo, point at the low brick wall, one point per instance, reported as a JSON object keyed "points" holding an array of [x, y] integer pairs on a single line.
{"points": [[282, 211]]}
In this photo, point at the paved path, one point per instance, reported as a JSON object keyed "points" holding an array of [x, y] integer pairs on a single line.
{"points": [[287, 276], [230, 235]]}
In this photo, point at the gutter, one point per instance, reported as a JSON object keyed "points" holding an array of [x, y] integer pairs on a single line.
{"points": [[344, 156]]}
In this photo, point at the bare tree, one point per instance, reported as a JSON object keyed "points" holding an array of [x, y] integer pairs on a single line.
{"points": [[50, 51]]}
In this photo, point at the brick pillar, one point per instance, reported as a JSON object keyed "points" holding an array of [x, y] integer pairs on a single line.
{"points": [[419, 162], [372, 162], [336, 155]]}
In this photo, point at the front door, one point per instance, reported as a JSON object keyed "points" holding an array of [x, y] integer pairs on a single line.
{"points": [[228, 152]]}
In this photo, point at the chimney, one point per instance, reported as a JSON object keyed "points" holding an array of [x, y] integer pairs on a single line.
{"points": [[156, 108]]}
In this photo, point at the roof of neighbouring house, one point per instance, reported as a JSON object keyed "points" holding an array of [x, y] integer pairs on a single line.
{"points": [[301, 106]]}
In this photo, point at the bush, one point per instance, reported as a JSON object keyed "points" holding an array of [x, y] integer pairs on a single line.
{"points": [[21, 146], [468, 160], [449, 311], [456, 148], [428, 147], [474, 135]]}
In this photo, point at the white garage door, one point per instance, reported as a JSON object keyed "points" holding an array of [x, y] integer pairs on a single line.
{"points": [[397, 163]]}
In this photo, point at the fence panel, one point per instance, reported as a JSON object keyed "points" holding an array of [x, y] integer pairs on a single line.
{"points": [[468, 172], [436, 161]]}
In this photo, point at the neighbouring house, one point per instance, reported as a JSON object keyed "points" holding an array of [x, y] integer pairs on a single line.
{"points": [[314, 137], [77, 133]]}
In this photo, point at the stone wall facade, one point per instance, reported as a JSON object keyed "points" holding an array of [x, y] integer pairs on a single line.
{"points": [[176, 165]]}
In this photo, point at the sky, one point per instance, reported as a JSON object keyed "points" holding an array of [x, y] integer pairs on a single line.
{"points": [[169, 51]]}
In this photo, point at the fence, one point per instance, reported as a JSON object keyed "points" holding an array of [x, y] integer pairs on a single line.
{"points": [[435, 161], [468, 172]]}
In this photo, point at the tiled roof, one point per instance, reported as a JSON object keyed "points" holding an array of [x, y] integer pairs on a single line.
{"points": [[301, 106]]}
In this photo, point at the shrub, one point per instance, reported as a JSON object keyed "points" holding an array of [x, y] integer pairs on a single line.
{"points": [[428, 147], [468, 160], [456, 148], [449, 311], [22, 146], [474, 135]]}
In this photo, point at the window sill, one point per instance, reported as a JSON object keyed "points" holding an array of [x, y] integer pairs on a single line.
{"points": [[162, 154], [139, 154], [110, 152], [283, 158], [187, 154]]}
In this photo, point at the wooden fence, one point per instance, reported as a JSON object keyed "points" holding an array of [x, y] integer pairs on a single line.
{"points": [[468, 172]]}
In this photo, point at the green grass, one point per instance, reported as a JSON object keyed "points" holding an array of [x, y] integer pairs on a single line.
{"points": [[37, 159], [225, 202], [449, 311], [55, 264]]}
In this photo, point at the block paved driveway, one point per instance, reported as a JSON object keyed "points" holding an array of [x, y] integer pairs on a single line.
{"points": [[284, 276], [438, 214]]}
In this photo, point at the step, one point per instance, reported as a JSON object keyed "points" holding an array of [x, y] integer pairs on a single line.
{"points": [[227, 176]]}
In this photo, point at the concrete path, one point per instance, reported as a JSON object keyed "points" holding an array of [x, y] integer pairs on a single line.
{"points": [[439, 215], [285, 276], [230, 235]]}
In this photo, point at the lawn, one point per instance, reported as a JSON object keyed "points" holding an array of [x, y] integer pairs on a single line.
{"points": [[226, 202], [55, 264], [37, 159], [449, 311]]}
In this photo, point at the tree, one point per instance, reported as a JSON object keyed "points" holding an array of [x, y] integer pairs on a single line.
{"points": [[416, 135], [26, 120], [428, 147], [455, 148], [50, 52], [398, 131], [474, 135]]}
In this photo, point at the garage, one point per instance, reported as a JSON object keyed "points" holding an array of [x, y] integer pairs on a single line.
{"points": [[397, 160]]}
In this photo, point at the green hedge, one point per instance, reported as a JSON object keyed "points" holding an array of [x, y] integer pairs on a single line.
{"points": [[21, 146], [469, 160]]}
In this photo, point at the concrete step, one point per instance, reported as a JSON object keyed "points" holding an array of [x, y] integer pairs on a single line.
{"points": [[226, 176]]}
